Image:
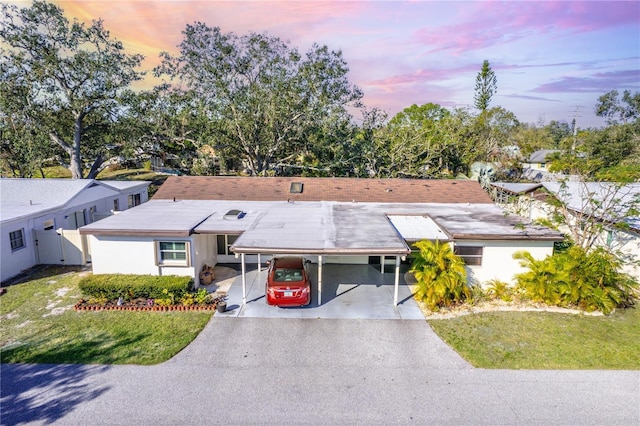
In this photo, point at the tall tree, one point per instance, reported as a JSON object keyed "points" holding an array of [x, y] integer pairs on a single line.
{"points": [[486, 87], [617, 110], [412, 143], [71, 76], [558, 130], [265, 95]]}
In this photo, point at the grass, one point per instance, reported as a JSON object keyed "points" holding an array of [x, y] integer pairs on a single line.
{"points": [[545, 340], [108, 173], [38, 325]]}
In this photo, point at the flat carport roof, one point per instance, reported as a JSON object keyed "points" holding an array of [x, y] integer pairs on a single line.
{"points": [[316, 228]]}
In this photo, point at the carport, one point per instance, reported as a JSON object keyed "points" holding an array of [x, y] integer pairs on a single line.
{"points": [[334, 229], [319, 255]]}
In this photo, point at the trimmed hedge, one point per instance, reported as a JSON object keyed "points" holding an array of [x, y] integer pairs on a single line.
{"points": [[113, 286]]}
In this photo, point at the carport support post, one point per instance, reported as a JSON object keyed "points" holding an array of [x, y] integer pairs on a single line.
{"points": [[319, 280], [395, 290], [259, 263], [244, 280], [382, 264]]}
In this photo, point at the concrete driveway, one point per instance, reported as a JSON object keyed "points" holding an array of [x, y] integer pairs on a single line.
{"points": [[348, 292], [314, 371]]}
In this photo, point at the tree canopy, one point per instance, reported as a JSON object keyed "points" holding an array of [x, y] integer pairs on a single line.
{"points": [[254, 104], [65, 75], [266, 97]]}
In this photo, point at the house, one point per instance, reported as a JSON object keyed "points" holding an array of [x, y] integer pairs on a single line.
{"points": [[515, 197], [614, 207], [39, 218], [539, 160], [197, 221], [610, 204]]}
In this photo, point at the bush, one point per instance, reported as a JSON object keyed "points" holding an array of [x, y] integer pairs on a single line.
{"points": [[113, 286], [500, 290], [441, 275], [590, 280]]}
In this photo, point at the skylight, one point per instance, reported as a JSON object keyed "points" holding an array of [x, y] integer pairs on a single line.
{"points": [[234, 214], [295, 188]]}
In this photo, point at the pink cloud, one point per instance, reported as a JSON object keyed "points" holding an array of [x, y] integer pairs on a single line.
{"points": [[490, 23], [597, 83]]}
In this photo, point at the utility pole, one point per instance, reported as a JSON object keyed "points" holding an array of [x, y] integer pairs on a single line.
{"points": [[576, 115]]}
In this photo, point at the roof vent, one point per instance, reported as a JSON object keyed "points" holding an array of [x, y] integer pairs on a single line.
{"points": [[234, 214], [295, 188]]}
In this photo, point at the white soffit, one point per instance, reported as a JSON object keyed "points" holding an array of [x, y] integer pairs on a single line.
{"points": [[417, 227]]}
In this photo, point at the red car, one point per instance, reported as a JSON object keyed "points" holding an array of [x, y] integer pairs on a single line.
{"points": [[288, 282]]}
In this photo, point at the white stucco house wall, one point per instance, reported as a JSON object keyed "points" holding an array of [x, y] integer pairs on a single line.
{"points": [[197, 221], [39, 217]]}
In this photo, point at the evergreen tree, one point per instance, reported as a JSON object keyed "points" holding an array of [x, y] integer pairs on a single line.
{"points": [[486, 87]]}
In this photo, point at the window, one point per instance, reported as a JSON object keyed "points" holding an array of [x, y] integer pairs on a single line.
{"points": [[225, 242], [470, 255], [17, 239], [49, 224], [134, 200], [173, 253]]}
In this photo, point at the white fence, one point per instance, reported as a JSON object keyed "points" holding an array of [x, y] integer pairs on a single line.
{"points": [[62, 247]]}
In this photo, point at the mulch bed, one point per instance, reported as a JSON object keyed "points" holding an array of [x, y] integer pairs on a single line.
{"points": [[142, 304]]}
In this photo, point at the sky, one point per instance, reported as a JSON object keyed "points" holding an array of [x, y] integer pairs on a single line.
{"points": [[552, 59]]}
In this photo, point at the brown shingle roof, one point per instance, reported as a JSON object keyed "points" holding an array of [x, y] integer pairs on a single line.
{"points": [[322, 189]]}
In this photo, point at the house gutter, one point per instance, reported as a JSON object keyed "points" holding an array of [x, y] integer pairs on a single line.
{"points": [[508, 237], [135, 233], [322, 252]]}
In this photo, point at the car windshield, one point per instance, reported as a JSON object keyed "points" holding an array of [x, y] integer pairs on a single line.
{"points": [[287, 274]]}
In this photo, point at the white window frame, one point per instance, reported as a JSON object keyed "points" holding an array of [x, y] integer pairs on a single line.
{"points": [[14, 237], [48, 225], [173, 262]]}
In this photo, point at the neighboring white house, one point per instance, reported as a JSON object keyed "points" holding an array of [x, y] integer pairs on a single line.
{"points": [[197, 221], [608, 203], [39, 218], [612, 205]]}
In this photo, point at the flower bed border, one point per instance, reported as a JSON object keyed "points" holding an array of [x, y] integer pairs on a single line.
{"points": [[84, 305], [81, 306]]}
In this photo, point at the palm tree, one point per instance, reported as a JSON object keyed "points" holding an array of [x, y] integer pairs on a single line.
{"points": [[441, 275]]}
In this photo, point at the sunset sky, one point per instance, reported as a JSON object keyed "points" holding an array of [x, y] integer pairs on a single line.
{"points": [[551, 58]]}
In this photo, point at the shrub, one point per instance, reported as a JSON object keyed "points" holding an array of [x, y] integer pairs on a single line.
{"points": [[202, 297], [113, 286], [441, 275], [590, 280], [500, 290]]}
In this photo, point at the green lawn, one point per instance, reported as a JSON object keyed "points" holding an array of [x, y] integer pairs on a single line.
{"points": [[38, 325], [545, 340]]}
